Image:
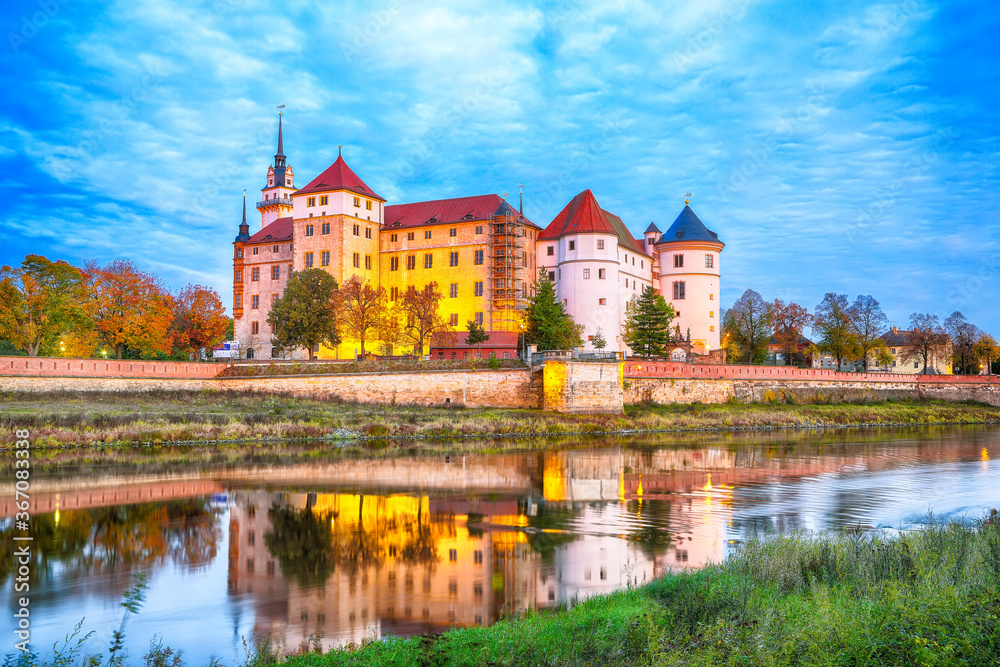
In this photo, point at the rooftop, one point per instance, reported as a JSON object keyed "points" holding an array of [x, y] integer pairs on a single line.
{"points": [[338, 176], [448, 211]]}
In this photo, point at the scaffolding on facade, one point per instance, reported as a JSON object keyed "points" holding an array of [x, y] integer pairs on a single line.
{"points": [[507, 269]]}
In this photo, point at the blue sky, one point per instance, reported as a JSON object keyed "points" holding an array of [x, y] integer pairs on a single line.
{"points": [[843, 146]]}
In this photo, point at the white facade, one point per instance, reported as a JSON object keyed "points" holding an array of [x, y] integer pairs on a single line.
{"points": [[689, 281]]}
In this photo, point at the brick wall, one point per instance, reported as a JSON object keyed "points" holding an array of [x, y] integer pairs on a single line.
{"points": [[582, 387], [106, 368]]}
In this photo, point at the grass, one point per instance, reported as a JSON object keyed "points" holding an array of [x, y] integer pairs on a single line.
{"points": [[928, 597], [72, 421]]}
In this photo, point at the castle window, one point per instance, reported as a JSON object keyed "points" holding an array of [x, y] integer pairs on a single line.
{"points": [[325, 229], [256, 250], [368, 205], [411, 262], [357, 202], [453, 259], [274, 249], [478, 287], [428, 261], [478, 257], [275, 272], [550, 251], [479, 319], [274, 297], [711, 297], [324, 200], [552, 276], [572, 245], [602, 302], [255, 274], [309, 260], [357, 230], [479, 229], [393, 294], [453, 291], [255, 301], [453, 319], [602, 273], [711, 328], [709, 261], [394, 263], [678, 261], [309, 230], [453, 232], [393, 238], [311, 201], [600, 244], [679, 289], [324, 258], [239, 253], [368, 262], [255, 327], [427, 234], [289, 270], [356, 260], [239, 275], [238, 303], [368, 232], [711, 313], [409, 236], [586, 274]]}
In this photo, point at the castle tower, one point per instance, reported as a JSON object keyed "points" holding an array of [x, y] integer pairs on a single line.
{"points": [[651, 236], [690, 279], [276, 196], [238, 243]]}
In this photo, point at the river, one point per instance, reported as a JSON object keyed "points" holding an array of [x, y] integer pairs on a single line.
{"points": [[335, 550]]}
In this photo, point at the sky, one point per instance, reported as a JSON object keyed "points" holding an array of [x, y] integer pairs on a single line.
{"points": [[847, 146]]}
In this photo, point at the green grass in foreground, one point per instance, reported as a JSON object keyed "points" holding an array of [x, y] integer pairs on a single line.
{"points": [[88, 419], [930, 597]]}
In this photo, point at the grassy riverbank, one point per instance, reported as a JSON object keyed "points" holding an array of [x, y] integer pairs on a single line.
{"points": [[925, 598], [100, 419]]}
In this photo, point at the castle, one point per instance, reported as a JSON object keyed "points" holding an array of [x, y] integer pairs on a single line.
{"points": [[482, 252]]}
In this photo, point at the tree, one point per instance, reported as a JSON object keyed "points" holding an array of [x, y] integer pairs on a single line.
{"points": [[362, 307], [789, 322], [307, 314], [422, 319], [832, 321], [925, 340], [868, 322], [477, 336], [987, 350], [880, 352], [748, 325], [38, 302], [599, 341], [389, 329], [199, 319], [549, 327], [964, 335], [129, 308], [647, 324]]}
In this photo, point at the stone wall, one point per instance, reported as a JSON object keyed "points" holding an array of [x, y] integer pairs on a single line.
{"points": [[105, 368], [479, 388], [582, 386]]}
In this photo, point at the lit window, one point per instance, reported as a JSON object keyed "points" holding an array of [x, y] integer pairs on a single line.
{"points": [[711, 328], [602, 273], [603, 302]]}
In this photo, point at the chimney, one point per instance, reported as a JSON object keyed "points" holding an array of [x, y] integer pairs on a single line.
{"points": [[895, 330]]}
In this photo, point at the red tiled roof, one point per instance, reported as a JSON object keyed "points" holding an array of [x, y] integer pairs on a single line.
{"points": [[279, 230], [456, 339], [583, 215], [447, 211], [338, 176]]}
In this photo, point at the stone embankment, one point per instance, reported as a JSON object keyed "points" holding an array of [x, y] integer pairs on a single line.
{"points": [[562, 385]]}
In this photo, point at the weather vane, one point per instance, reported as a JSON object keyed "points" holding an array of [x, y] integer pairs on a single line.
{"points": [[280, 106], [687, 198]]}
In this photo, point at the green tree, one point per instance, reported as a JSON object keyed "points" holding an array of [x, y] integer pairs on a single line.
{"points": [[987, 350], [38, 302], [548, 325], [868, 322], [477, 336], [748, 325], [881, 354], [302, 543], [647, 324], [833, 324], [307, 313], [599, 341]]}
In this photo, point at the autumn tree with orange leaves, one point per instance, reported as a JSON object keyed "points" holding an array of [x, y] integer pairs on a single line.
{"points": [[789, 321], [199, 319], [129, 308], [420, 308], [362, 309], [39, 302]]}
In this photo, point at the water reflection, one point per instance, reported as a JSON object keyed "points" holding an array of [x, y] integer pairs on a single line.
{"points": [[355, 550]]}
